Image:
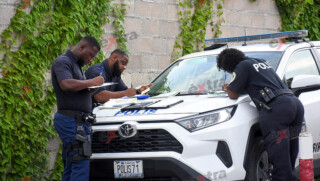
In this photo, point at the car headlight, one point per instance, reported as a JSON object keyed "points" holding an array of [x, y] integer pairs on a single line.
{"points": [[205, 120]]}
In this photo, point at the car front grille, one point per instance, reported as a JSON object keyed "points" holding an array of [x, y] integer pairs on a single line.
{"points": [[144, 141]]}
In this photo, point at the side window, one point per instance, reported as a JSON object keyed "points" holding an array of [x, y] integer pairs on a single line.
{"points": [[301, 62]]}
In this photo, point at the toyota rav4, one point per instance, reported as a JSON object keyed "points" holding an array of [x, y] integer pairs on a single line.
{"points": [[188, 129]]}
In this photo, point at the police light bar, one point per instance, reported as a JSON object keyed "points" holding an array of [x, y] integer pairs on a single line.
{"points": [[288, 34]]}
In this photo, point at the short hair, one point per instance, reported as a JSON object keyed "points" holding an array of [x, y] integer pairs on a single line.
{"points": [[91, 41], [119, 52], [229, 58]]}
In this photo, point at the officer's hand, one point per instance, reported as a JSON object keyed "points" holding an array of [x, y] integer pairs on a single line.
{"points": [[145, 87], [97, 81], [130, 92], [91, 90], [225, 87]]}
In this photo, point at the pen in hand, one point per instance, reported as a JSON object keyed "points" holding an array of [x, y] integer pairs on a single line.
{"points": [[101, 71]]}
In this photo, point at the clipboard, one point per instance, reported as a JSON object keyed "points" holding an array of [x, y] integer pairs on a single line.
{"points": [[139, 105], [164, 104]]}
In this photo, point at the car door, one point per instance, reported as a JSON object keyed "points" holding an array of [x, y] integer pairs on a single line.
{"points": [[304, 62]]}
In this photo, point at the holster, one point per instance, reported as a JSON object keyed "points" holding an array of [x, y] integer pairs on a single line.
{"points": [[261, 104], [83, 144], [77, 156]]}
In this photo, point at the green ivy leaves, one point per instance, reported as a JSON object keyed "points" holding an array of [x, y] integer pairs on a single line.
{"points": [[119, 10], [194, 17], [300, 15], [26, 100]]}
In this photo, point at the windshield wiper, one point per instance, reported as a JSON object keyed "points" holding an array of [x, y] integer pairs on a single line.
{"points": [[191, 93]]}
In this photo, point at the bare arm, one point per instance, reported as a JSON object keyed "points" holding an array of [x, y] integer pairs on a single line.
{"points": [[105, 95], [74, 85], [231, 95]]}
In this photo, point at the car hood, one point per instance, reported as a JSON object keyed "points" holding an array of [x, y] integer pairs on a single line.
{"points": [[189, 105]]}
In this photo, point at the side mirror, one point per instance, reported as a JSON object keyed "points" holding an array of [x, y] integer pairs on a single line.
{"points": [[305, 83]]}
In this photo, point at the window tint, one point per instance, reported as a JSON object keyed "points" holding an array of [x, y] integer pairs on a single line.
{"points": [[301, 62]]}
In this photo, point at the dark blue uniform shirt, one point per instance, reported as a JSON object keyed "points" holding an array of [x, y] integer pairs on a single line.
{"points": [[252, 75], [66, 67], [95, 70]]}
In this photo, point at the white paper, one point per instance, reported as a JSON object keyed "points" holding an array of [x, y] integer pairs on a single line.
{"points": [[103, 85], [116, 103]]}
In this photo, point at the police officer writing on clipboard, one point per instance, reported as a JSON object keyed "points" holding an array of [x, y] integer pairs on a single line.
{"points": [[111, 70], [279, 110], [74, 105]]}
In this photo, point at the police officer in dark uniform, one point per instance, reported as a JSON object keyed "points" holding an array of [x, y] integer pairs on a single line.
{"points": [[279, 110], [74, 105], [112, 69]]}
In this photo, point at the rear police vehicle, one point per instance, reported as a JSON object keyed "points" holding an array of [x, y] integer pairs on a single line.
{"points": [[188, 129]]}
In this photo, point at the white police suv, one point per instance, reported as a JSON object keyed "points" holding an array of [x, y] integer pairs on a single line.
{"points": [[188, 129]]}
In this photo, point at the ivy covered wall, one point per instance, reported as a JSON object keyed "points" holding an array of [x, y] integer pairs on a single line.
{"points": [[300, 15], [27, 101]]}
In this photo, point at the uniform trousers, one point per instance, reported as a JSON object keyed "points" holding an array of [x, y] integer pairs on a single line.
{"points": [[280, 129], [67, 129]]}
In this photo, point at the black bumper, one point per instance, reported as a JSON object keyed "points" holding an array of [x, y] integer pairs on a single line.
{"points": [[154, 169]]}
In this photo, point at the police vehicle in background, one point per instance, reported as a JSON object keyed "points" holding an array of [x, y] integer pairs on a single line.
{"points": [[190, 130]]}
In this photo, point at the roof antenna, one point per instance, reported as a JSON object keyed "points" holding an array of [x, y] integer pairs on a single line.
{"points": [[245, 38]]}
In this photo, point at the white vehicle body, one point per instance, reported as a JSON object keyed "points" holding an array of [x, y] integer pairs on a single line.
{"points": [[217, 152]]}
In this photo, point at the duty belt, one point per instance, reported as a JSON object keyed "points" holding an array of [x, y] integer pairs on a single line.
{"points": [[70, 113], [78, 115], [268, 95], [282, 91]]}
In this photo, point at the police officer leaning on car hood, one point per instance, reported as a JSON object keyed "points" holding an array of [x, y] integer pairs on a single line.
{"points": [[74, 101], [279, 109]]}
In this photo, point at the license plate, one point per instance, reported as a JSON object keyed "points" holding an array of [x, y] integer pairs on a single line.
{"points": [[128, 169]]}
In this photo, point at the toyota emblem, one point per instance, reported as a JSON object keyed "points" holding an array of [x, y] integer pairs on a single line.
{"points": [[127, 130]]}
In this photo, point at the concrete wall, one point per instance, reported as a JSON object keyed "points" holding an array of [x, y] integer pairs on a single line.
{"points": [[155, 25], [152, 26], [7, 11], [257, 17]]}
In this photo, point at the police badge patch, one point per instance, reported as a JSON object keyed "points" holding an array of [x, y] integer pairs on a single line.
{"points": [[233, 76]]}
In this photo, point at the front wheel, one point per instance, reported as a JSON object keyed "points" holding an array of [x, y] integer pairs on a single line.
{"points": [[257, 166]]}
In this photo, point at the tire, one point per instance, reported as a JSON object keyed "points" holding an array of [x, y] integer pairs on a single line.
{"points": [[257, 166]]}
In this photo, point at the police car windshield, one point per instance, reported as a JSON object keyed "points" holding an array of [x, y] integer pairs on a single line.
{"points": [[200, 75]]}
